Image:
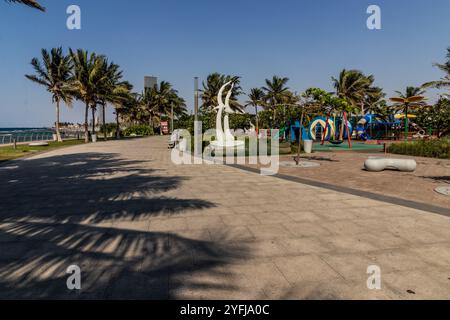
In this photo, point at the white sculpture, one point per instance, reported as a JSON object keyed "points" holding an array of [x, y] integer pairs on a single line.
{"points": [[225, 138], [380, 164]]}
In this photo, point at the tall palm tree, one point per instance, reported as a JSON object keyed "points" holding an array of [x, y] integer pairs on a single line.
{"points": [[123, 101], [354, 86], [54, 73], [358, 90], [412, 98], [212, 87], [126, 107], [87, 75], [276, 93], [445, 81], [256, 98], [30, 3], [111, 89]]}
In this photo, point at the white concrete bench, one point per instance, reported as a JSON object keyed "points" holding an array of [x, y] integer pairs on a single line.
{"points": [[380, 164]]}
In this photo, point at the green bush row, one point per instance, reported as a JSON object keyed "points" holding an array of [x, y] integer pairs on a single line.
{"points": [[138, 130], [433, 148]]}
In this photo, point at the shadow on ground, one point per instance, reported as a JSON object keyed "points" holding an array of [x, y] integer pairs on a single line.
{"points": [[438, 178], [60, 211]]}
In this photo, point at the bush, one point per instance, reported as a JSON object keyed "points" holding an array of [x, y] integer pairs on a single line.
{"points": [[433, 148], [138, 130], [110, 128]]}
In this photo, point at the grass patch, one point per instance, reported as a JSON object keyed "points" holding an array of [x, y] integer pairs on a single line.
{"points": [[431, 149], [9, 153]]}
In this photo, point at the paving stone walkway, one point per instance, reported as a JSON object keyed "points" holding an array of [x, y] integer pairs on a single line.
{"points": [[140, 227]]}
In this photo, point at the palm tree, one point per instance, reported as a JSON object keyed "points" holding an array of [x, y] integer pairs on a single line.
{"points": [[355, 87], [256, 97], [445, 81], [54, 73], [276, 93], [124, 101], [212, 87], [162, 100], [30, 3], [111, 89], [87, 75], [358, 90], [412, 98]]}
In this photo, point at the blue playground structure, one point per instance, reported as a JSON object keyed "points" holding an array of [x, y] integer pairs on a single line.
{"points": [[373, 121]]}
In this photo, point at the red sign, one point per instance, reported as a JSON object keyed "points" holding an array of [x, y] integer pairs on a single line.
{"points": [[165, 127]]}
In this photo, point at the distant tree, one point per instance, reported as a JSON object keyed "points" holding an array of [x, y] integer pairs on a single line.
{"points": [[212, 87], [277, 94], [443, 83], [256, 98], [437, 118]]}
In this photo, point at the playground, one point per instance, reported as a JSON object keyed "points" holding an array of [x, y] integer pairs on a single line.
{"points": [[341, 148]]}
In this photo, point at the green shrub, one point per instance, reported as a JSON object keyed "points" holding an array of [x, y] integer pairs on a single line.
{"points": [[110, 128], [433, 148], [138, 130]]}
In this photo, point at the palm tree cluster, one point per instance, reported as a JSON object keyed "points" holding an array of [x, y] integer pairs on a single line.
{"points": [[96, 82]]}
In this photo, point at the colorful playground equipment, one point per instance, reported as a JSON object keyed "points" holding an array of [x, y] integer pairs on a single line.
{"points": [[379, 127], [421, 133], [328, 129]]}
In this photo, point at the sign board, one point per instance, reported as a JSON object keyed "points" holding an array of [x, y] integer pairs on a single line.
{"points": [[165, 127]]}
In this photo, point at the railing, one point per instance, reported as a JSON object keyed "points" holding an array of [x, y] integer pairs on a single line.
{"points": [[22, 137]]}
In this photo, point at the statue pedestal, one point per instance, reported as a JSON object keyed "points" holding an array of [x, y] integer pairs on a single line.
{"points": [[227, 144]]}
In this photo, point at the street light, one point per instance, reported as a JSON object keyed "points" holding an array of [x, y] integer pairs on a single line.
{"points": [[196, 98]]}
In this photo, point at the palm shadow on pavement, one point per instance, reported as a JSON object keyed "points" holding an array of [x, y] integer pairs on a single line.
{"points": [[61, 211]]}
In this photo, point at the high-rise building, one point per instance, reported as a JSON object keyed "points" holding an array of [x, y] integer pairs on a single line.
{"points": [[150, 82]]}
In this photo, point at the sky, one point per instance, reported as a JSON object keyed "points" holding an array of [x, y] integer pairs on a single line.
{"points": [[308, 41]]}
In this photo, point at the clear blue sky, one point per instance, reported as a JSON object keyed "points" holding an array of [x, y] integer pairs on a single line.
{"points": [[306, 40]]}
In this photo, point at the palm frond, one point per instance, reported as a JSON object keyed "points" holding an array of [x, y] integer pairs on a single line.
{"points": [[29, 3]]}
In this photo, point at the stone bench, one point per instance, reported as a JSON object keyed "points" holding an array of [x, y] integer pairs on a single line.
{"points": [[380, 164]]}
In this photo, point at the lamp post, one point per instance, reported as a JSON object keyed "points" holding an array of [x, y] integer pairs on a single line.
{"points": [[196, 98], [171, 118]]}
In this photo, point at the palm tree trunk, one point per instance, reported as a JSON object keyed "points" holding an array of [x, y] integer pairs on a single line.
{"points": [[86, 123], [105, 132], [257, 119], [117, 126], [300, 137], [341, 128], [58, 134], [93, 120]]}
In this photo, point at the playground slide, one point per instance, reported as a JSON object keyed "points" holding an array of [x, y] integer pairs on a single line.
{"points": [[361, 128]]}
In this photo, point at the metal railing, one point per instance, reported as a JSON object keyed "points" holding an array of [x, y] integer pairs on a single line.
{"points": [[23, 137]]}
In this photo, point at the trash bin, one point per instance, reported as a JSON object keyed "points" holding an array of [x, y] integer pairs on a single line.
{"points": [[308, 146]]}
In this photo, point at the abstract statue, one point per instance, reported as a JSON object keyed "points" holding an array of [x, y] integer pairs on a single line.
{"points": [[225, 138]]}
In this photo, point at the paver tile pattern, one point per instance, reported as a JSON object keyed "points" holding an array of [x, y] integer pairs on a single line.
{"points": [[141, 227]]}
